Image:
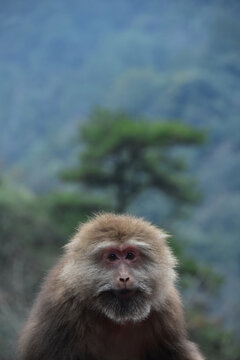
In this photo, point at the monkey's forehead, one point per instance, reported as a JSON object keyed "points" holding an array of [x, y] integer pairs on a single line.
{"points": [[119, 229]]}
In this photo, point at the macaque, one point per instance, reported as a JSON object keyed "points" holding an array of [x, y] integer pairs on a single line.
{"points": [[112, 296]]}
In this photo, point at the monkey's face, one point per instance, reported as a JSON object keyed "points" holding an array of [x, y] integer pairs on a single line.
{"points": [[126, 280], [124, 288], [123, 277]]}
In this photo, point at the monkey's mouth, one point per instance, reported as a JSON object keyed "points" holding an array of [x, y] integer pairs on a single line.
{"points": [[123, 304], [124, 293]]}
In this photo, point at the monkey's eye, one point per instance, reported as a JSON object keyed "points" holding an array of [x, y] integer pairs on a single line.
{"points": [[112, 257], [130, 256]]}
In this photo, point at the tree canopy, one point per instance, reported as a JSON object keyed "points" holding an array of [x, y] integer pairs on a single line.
{"points": [[127, 155]]}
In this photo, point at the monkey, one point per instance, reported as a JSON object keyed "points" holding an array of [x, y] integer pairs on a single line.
{"points": [[111, 296]]}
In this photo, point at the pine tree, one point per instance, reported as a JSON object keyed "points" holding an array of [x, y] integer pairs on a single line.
{"points": [[125, 156]]}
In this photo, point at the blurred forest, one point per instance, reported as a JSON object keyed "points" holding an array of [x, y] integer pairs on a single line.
{"points": [[164, 80]]}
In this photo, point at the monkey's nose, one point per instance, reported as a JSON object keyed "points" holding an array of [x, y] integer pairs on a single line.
{"points": [[124, 279]]}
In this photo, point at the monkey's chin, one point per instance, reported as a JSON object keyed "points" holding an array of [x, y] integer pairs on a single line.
{"points": [[123, 306]]}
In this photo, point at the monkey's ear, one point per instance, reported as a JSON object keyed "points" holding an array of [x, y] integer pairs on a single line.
{"points": [[163, 235], [74, 245]]}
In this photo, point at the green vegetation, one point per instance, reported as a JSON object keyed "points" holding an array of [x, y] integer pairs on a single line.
{"points": [[29, 245], [127, 157]]}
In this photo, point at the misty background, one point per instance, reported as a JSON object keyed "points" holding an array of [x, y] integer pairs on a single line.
{"points": [[168, 60]]}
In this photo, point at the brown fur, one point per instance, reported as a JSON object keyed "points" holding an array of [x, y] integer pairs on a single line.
{"points": [[65, 324]]}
